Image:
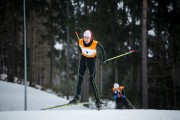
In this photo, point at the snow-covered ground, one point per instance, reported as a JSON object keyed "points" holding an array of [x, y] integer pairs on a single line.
{"points": [[12, 106], [12, 98]]}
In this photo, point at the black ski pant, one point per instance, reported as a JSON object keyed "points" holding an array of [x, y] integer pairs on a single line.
{"points": [[121, 102], [90, 64]]}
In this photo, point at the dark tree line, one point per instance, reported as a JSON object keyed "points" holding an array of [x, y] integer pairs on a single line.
{"points": [[117, 24]]}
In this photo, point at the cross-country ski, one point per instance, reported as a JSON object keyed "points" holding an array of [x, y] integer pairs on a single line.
{"points": [[67, 104]]}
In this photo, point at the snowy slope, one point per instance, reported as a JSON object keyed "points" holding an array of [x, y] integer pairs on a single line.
{"points": [[12, 105], [12, 98]]}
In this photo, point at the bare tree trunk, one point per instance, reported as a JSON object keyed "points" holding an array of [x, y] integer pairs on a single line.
{"points": [[11, 41], [51, 63], [132, 43], [33, 50], [138, 83], [166, 89], [174, 84], [51, 48], [178, 6], [144, 56], [67, 49], [116, 72], [31, 83]]}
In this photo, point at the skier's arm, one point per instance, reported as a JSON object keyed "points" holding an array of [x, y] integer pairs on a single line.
{"points": [[79, 48], [114, 95], [103, 53]]}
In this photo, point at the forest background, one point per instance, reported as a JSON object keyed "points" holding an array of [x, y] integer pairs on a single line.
{"points": [[53, 56]]}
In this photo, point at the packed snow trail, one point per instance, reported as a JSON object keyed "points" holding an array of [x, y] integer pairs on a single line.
{"points": [[91, 115], [12, 101]]}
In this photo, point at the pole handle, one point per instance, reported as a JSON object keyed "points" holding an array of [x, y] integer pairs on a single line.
{"points": [[77, 35]]}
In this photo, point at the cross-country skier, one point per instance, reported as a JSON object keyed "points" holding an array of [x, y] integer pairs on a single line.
{"points": [[88, 48], [119, 96]]}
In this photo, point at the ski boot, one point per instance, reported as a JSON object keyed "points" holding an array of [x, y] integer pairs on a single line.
{"points": [[75, 100], [98, 104]]}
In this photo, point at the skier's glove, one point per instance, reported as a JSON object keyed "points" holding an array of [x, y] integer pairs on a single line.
{"points": [[115, 96]]}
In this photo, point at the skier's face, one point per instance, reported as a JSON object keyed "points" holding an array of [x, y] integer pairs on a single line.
{"points": [[87, 39], [116, 89]]}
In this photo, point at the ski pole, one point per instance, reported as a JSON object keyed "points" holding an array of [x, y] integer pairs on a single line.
{"points": [[120, 55], [77, 35], [130, 103]]}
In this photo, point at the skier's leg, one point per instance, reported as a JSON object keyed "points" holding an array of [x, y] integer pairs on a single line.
{"points": [[118, 104], [92, 71], [82, 69]]}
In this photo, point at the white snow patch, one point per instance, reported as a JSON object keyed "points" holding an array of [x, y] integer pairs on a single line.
{"points": [[92, 115], [58, 46], [151, 32]]}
